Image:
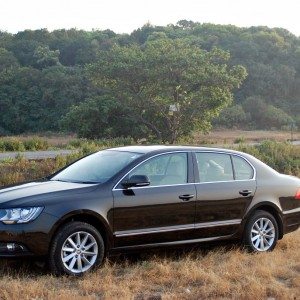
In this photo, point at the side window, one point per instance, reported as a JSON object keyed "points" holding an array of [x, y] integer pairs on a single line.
{"points": [[214, 167], [242, 169], [166, 169]]}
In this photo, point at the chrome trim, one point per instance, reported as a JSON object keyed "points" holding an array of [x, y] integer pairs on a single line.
{"points": [[135, 232], [181, 242], [218, 223], [188, 183], [292, 211]]}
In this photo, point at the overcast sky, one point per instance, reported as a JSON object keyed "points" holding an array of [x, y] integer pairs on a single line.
{"points": [[126, 15]]}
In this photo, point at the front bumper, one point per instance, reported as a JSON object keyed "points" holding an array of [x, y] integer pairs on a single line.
{"points": [[27, 239], [291, 220]]}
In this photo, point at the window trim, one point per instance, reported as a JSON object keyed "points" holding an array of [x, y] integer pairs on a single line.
{"points": [[189, 161], [197, 177]]}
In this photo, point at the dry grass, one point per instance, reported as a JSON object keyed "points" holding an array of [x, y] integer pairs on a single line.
{"points": [[199, 274], [229, 136], [54, 140]]}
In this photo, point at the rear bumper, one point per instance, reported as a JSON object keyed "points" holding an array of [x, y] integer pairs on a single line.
{"points": [[291, 220], [27, 239]]}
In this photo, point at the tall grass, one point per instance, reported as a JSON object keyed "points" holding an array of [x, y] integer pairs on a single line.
{"points": [[283, 157]]}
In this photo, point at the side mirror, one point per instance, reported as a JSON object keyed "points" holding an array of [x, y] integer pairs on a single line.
{"points": [[136, 181]]}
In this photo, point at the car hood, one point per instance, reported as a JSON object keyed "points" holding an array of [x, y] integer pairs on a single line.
{"points": [[41, 190]]}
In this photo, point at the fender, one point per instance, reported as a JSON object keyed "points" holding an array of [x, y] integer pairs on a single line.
{"points": [[82, 214]]}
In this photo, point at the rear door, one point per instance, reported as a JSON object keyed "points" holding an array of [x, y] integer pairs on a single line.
{"points": [[161, 212], [225, 188]]}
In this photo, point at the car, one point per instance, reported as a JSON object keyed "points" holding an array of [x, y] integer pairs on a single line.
{"points": [[136, 197]]}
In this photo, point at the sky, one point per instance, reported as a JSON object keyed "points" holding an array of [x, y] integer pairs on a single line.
{"points": [[123, 16]]}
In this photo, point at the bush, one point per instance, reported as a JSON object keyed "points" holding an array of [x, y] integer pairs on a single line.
{"points": [[36, 144], [283, 157], [11, 144], [16, 145]]}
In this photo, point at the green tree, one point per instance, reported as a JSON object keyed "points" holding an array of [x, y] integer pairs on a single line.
{"points": [[170, 86], [46, 57], [100, 117]]}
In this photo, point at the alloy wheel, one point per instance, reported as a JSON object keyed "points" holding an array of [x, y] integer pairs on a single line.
{"points": [[79, 252], [263, 234]]}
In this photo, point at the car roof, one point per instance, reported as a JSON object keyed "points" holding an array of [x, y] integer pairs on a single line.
{"points": [[165, 148]]}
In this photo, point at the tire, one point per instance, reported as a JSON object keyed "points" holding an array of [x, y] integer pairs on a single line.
{"points": [[261, 232], [65, 257]]}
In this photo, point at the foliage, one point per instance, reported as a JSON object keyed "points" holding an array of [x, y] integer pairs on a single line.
{"points": [[16, 145], [101, 117], [42, 75], [167, 73], [283, 157]]}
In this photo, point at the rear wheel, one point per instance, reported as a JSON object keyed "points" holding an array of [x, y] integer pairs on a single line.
{"points": [[77, 248], [261, 232]]}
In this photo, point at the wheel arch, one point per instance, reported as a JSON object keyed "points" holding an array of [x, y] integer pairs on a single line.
{"points": [[89, 217], [271, 208]]}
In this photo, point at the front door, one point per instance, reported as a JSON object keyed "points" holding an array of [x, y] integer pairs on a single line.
{"points": [[162, 212], [225, 188]]}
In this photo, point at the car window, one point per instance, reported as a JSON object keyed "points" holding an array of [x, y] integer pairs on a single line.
{"points": [[242, 169], [214, 167], [166, 169]]}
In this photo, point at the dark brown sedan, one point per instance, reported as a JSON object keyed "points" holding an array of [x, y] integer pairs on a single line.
{"points": [[145, 196]]}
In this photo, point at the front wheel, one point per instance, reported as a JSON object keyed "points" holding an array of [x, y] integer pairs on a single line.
{"points": [[261, 232], [77, 248]]}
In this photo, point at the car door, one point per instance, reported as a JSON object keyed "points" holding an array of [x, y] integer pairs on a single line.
{"points": [[162, 212], [225, 188]]}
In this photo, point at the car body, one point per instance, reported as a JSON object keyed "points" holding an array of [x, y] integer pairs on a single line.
{"points": [[161, 196]]}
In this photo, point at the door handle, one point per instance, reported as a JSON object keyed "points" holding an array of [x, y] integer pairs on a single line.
{"points": [[186, 197], [245, 193]]}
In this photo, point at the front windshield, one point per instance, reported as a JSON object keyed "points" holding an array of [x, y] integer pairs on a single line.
{"points": [[96, 168]]}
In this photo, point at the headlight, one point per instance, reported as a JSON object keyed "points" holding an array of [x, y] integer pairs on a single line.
{"points": [[19, 215]]}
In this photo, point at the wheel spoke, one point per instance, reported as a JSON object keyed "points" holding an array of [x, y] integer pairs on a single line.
{"points": [[78, 238], [72, 264], [89, 246], [261, 224], [68, 257], [68, 249], [255, 238], [255, 231], [86, 260], [269, 236], [256, 226], [262, 245], [265, 240], [266, 224], [79, 263], [257, 243], [86, 237], [88, 253], [71, 242]]}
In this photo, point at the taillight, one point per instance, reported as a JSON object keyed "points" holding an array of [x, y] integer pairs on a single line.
{"points": [[297, 196]]}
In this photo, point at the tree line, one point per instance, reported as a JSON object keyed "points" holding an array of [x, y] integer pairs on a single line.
{"points": [[159, 82]]}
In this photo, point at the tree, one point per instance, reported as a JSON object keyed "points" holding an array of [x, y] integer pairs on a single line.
{"points": [[46, 57], [7, 60], [168, 85], [100, 117]]}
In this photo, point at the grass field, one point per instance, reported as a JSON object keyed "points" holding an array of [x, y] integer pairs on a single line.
{"points": [[200, 273], [246, 136], [219, 272]]}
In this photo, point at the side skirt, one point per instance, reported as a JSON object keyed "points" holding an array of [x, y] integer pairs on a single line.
{"points": [[175, 243]]}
